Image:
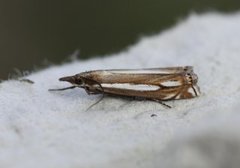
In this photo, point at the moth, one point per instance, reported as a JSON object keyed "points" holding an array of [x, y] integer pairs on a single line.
{"points": [[158, 84]]}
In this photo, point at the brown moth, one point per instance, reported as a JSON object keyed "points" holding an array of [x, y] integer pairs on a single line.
{"points": [[158, 84]]}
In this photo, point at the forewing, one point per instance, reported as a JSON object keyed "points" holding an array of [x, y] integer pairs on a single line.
{"points": [[160, 77], [188, 91], [167, 70]]}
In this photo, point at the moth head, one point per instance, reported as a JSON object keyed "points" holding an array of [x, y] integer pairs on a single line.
{"points": [[75, 80], [192, 78]]}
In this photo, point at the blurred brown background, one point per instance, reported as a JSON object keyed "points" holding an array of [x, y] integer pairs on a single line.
{"points": [[32, 31]]}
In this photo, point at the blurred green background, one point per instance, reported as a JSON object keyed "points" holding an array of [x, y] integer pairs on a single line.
{"points": [[32, 31]]}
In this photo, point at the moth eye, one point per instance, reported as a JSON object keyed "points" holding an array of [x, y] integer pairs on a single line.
{"points": [[78, 81]]}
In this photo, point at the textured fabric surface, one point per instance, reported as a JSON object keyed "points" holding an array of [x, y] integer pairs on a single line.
{"points": [[45, 129]]}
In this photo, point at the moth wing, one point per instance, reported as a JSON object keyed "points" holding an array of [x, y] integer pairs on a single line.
{"points": [[167, 70], [189, 91]]}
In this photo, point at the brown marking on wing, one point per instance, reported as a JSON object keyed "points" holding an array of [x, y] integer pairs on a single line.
{"points": [[151, 79], [171, 93], [158, 94], [185, 94]]}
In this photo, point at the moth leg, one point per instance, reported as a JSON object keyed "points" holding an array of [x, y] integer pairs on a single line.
{"points": [[87, 90], [164, 104], [88, 87], [61, 89], [95, 102], [101, 90]]}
